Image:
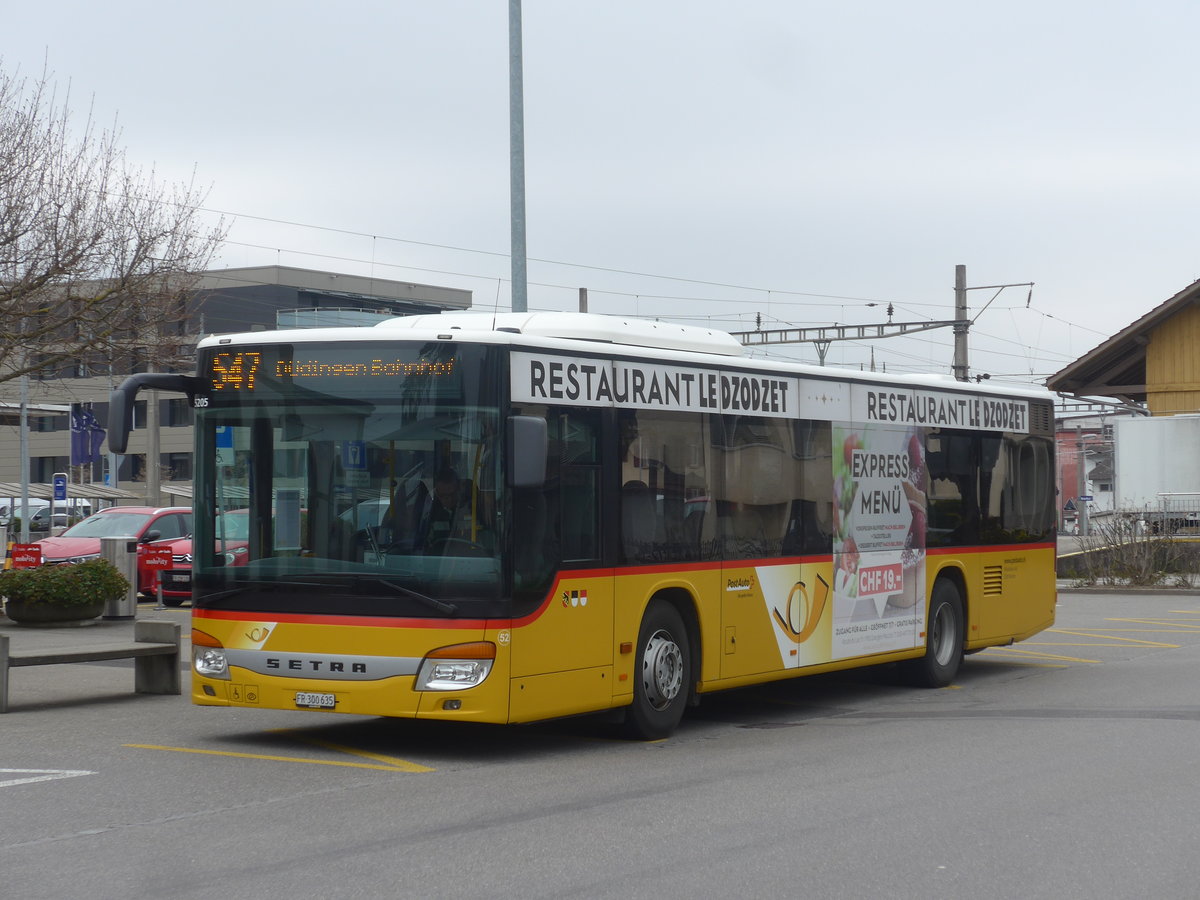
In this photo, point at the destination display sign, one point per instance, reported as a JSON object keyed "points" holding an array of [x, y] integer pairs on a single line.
{"points": [[353, 369]]}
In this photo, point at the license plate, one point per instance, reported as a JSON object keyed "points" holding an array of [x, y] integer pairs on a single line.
{"points": [[315, 701], [176, 578]]}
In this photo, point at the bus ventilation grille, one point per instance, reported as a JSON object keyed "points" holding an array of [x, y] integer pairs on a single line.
{"points": [[1041, 419], [993, 581]]}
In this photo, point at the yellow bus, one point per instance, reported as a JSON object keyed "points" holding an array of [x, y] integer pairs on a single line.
{"points": [[509, 518]]}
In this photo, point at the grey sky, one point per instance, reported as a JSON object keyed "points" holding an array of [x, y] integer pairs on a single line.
{"points": [[767, 150]]}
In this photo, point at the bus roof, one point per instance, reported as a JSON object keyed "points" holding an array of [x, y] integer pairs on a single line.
{"points": [[662, 341]]}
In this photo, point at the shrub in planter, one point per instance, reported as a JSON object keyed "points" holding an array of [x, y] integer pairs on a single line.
{"points": [[61, 593]]}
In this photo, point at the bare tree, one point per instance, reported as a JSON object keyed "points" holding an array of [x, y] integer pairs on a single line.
{"points": [[96, 255]]}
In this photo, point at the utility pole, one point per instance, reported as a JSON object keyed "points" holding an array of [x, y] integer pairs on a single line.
{"points": [[516, 158], [24, 454], [961, 325], [153, 474], [1081, 507], [583, 300]]}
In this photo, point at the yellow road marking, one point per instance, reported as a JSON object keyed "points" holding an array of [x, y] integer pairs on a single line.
{"points": [[290, 759], [1102, 637], [1177, 626], [1034, 665], [1174, 630], [389, 761], [1155, 644], [1043, 655]]}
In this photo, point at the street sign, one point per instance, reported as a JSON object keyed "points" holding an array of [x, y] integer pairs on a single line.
{"points": [[1085, 498], [224, 446], [25, 556], [60, 485], [154, 558], [354, 455]]}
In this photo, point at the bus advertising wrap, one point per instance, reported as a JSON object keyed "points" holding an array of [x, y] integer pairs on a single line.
{"points": [[582, 381], [879, 510], [643, 385]]}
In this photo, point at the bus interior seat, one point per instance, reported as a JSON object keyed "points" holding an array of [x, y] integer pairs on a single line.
{"points": [[637, 519]]}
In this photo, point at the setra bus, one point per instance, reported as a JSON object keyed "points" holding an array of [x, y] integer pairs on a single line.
{"points": [[508, 518]]}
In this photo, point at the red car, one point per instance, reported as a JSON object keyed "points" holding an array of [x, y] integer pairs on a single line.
{"points": [[156, 526], [233, 529]]}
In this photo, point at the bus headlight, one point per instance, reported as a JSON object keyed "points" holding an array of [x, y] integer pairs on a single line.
{"points": [[456, 667], [208, 656]]}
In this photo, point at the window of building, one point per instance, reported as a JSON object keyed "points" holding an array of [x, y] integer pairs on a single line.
{"points": [[178, 413], [43, 468], [176, 466]]}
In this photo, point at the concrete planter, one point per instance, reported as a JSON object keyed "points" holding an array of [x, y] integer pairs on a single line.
{"points": [[50, 614]]}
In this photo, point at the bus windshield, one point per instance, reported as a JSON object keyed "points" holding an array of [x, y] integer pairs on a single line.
{"points": [[351, 478]]}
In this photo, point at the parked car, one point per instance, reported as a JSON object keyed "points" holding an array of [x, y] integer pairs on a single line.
{"points": [[43, 522], [11, 511], [156, 526], [233, 531], [177, 580], [39, 512]]}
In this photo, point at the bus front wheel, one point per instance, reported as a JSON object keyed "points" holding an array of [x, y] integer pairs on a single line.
{"points": [[943, 638], [662, 678]]}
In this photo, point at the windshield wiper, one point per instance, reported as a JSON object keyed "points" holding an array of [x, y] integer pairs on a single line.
{"points": [[441, 606], [446, 609]]}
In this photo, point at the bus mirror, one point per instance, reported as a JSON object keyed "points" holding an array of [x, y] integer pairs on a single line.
{"points": [[527, 443], [120, 402]]}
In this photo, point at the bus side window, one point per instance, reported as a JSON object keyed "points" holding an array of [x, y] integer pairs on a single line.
{"points": [[665, 487], [759, 474], [952, 464]]}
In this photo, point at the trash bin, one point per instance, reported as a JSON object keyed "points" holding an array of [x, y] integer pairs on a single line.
{"points": [[122, 553]]}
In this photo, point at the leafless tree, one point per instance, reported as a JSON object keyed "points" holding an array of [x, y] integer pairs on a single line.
{"points": [[96, 256]]}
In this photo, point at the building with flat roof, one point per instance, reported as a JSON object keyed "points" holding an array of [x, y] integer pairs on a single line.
{"points": [[224, 301]]}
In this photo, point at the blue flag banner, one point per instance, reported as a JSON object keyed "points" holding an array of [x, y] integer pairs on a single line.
{"points": [[86, 435]]}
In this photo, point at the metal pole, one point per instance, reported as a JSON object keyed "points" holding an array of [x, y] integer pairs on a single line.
{"points": [[961, 324], [1081, 510], [583, 300], [24, 453], [516, 158], [153, 447], [114, 462]]}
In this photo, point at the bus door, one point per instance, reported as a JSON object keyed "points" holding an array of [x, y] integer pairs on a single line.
{"points": [[562, 640], [764, 611]]}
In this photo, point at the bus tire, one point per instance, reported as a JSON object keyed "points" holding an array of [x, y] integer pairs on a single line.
{"points": [[943, 638], [662, 675]]}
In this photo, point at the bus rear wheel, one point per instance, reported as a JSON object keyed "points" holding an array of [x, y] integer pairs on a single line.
{"points": [[943, 638], [662, 676]]}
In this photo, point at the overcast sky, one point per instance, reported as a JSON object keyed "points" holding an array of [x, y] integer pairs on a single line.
{"points": [[695, 160]]}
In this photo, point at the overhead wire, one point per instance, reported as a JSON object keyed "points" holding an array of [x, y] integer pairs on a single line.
{"points": [[774, 297]]}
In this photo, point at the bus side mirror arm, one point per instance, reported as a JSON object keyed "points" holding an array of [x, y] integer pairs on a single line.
{"points": [[120, 402], [527, 444]]}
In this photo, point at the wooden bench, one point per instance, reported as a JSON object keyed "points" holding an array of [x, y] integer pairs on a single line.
{"points": [[155, 651]]}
